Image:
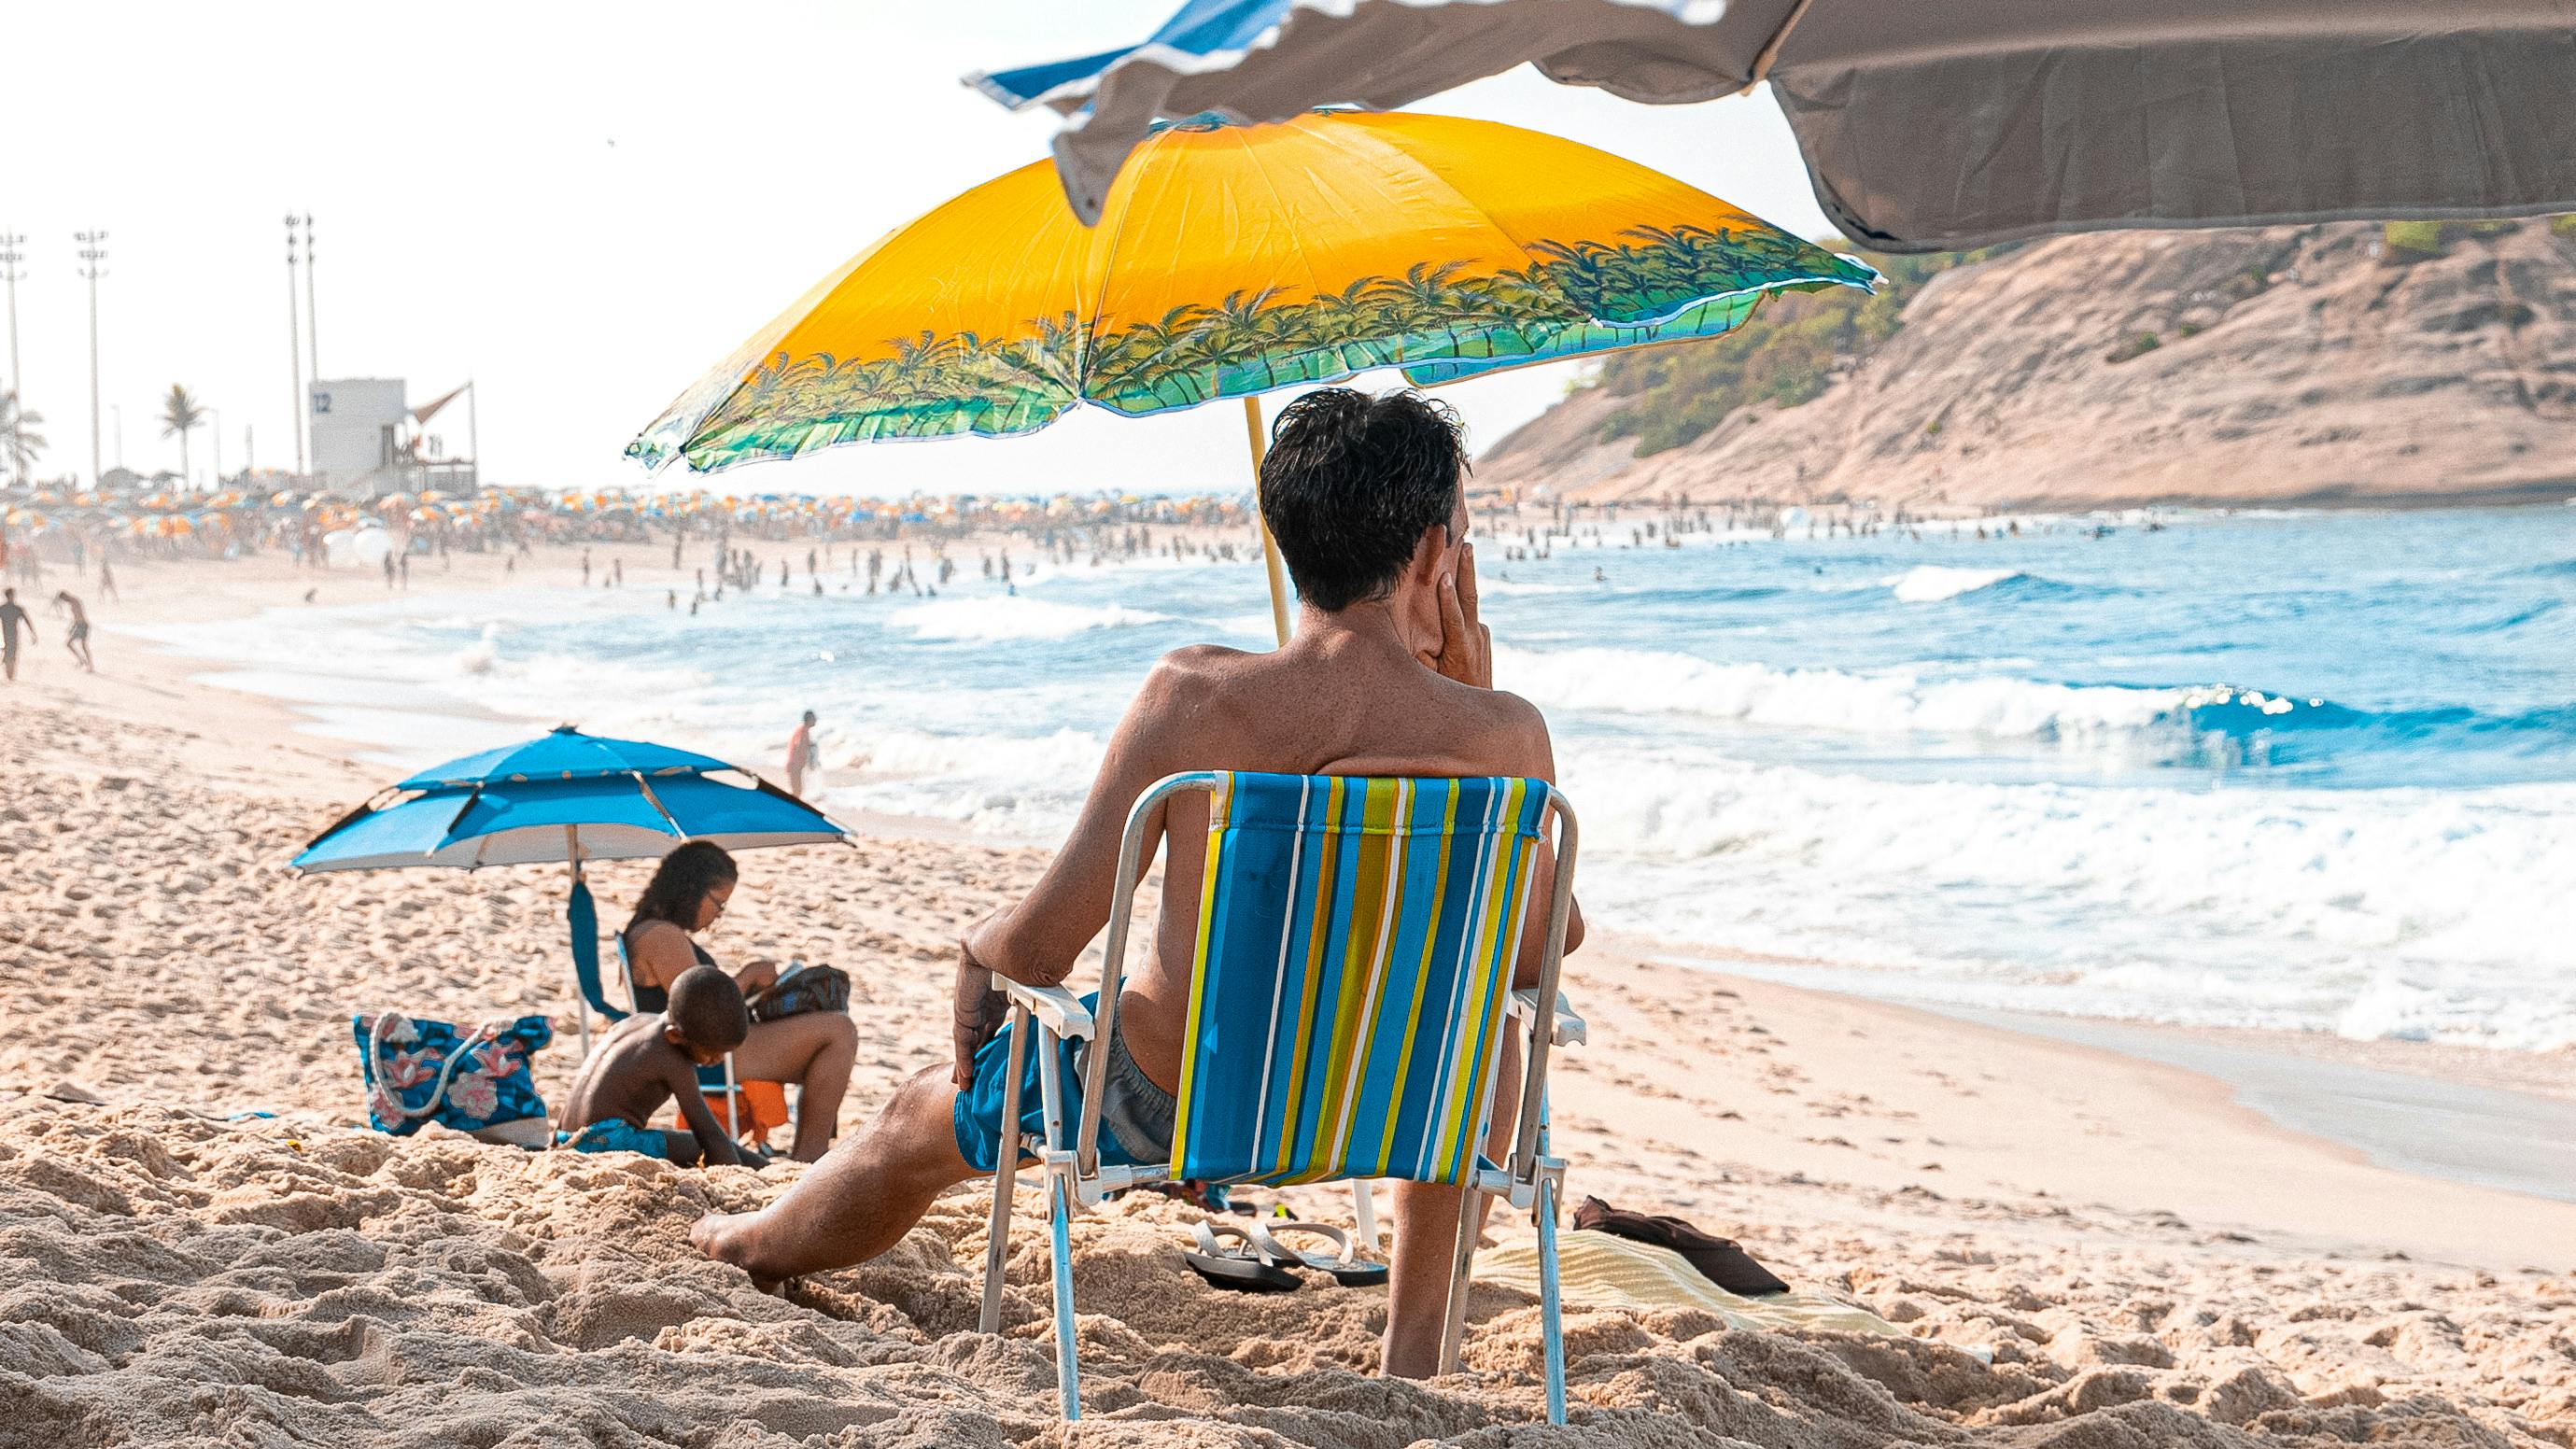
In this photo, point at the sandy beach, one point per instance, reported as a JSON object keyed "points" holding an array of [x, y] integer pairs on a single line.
{"points": [[2071, 1245]]}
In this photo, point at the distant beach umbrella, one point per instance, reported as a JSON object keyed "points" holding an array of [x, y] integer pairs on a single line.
{"points": [[1232, 261], [1933, 127], [565, 797]]}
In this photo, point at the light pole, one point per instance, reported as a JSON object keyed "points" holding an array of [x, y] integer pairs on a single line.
{"points": [[93, 255], [312, 309], [10, 257], [294, 347]]}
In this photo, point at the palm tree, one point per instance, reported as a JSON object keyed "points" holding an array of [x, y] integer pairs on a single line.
{"points": [[180, 415], [18, 446]]}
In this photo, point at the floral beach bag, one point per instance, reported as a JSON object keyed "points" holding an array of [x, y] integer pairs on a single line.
{"points": [[473, 1079]]}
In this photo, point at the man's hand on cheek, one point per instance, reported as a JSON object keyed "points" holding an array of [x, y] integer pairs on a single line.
{"points": [[1466, 645]]}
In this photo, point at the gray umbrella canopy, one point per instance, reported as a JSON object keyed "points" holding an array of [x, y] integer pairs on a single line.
{"points": [[1944, 124]]}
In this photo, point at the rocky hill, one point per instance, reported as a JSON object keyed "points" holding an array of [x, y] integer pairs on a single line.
{"points": [[2316, 364]]}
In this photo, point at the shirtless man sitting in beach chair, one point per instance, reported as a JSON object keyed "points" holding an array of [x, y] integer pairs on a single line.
{"points": [[1390, 673]]}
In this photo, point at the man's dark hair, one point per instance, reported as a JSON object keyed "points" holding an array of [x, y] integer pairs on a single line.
{"points": [[708, 1009], [1351, 485]]}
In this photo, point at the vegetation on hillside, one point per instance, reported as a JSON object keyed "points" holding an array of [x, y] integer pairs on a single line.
{"points": [[2413, 241], [1785, 353]]}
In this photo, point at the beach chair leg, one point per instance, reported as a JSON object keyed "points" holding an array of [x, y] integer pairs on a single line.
{"points": [[733, 1127], [1364, 1213], [1006, 1171], [1551, 1321], [1454, 1328], [1551, 1191], [1060, 1227], [1068, 1372]]}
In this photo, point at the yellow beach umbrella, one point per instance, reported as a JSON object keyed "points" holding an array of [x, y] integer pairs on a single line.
{"points": [[1231, 261]]}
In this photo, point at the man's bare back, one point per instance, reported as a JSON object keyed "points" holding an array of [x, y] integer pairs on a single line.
{"points": [[1332, 702]]}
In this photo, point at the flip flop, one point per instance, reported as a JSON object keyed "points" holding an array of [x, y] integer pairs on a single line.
{"points": [[1347, 1269], [1250, 1271]]}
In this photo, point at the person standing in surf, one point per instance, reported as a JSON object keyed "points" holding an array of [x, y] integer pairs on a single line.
{"points": [[802, 755]]}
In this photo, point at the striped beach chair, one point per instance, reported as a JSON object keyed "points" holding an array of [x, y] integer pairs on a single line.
{"points": [[1350, 995]]}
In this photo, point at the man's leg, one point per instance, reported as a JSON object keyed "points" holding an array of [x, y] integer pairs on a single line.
{"points": [[1426, 1237], [859, 1200], [1426, 1243]]}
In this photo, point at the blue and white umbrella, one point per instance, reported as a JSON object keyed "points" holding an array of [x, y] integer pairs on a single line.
{"points": [[566, 797]]}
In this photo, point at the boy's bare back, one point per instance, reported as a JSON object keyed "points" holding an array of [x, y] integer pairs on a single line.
{"points": [[630, 1075]]}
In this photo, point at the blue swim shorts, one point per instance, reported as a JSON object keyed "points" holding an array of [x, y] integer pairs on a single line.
{"points": [[616, 1134], [1134, 1110]]}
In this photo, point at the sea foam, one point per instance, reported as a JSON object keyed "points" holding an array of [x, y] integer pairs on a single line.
{"points": [[1009, 616], [1932, 583]]}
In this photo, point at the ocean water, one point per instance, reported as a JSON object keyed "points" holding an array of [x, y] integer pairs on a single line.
{"points": [[2302, 770]]}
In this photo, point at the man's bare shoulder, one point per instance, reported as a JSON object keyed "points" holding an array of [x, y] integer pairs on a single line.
{"points": [[1186, 681], [1517, 717], [1509, 733], [1202, 664]]}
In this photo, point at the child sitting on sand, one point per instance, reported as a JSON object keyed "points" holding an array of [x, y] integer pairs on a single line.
{"points": [[648, 1060]]}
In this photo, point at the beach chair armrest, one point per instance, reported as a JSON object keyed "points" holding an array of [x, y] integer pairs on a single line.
{"points": [[1061, 1010], [1569, 1028]]}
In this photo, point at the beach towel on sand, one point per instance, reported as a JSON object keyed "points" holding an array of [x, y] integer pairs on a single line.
{"points": [[1600, 1270]]}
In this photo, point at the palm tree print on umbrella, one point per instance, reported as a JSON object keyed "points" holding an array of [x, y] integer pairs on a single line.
{"points": [[1437, 321]]}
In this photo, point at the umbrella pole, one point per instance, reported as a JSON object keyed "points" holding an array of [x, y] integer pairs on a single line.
{"points": [[1260, 440], [572, 852]]}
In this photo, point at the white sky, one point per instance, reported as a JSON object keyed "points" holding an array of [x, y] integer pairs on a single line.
{"points": [[584, 205]]}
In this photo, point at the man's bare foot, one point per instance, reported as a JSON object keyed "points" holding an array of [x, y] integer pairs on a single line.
{"points": [[729, 1238]]}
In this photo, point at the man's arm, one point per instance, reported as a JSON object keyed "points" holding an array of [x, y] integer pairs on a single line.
{"points": [[714, 1143], [1036, 941]]}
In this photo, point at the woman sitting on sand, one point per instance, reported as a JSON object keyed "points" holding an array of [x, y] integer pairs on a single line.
{"points": [[688, 894]]}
